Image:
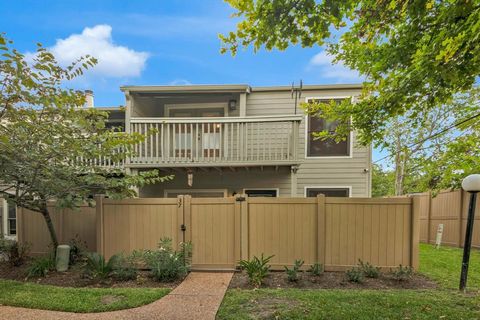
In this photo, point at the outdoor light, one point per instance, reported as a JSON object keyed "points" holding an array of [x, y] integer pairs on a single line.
{"points": [[470, 184], [232, 104], [190, 178]]}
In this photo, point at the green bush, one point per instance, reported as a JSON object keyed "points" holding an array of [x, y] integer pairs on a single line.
{"points": [[369, 270], [257, 269], [402, 273], [124, 268], [316, 269], [14, 252], [355, 275], [78, 249], [98, 267], [292, 274], [41, 266], [167, 264]]}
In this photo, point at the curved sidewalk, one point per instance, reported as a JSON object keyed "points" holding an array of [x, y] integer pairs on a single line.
{"points": [[198, 297]]}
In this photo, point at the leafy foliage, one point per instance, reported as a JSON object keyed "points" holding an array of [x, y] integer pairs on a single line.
{"points": [[415, 56], [256, 268], [402, 273], [355, 275], [40, 267], [166, 264], [369, 270], [316, 269], [292, 274], [48, 141], [78, 249], [98, 267], [13, 251], [124, 268]]}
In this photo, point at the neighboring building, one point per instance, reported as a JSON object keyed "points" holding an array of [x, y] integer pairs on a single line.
{"points": [[221, 140]]}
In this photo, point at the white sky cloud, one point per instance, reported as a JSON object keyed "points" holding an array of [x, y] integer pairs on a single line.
{"points": [[113, 60], [323, 62]]}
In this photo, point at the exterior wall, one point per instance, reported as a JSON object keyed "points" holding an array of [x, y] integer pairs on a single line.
{"points": [[321, 172], [232, 181]]}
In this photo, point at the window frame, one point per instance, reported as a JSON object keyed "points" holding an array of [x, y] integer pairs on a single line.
{"points": [[307, 138], [349, 188], [277, 190], [6, 221]]}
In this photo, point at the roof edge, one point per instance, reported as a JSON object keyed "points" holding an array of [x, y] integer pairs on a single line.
{"points": [[189, 88]]}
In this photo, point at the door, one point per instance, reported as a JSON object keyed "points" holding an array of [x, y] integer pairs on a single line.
{"points": [[213, 227], [206, 137]]}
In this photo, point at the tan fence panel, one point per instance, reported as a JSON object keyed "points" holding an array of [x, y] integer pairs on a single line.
{"points": [[464, 216], [373, 230], [283, 227], [213, 227], [138, 224], [69, 224], [424, 203]]}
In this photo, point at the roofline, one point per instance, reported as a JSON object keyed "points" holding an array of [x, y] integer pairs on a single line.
{"points": [[311, 87], [189, 88]]}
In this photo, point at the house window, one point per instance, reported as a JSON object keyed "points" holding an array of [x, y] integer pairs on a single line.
{"points": [[261, 192], [325, 147], [11, 220], [328, 192]]}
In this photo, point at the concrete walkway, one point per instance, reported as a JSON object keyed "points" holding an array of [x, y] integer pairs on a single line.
{"points": [[198, 297]]}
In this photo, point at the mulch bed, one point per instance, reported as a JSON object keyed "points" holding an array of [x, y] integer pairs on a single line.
{"points": [[75, 277], [332, 280]]}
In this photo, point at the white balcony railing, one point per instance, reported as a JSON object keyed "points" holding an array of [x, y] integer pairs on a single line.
{"points": [[216, 141]]}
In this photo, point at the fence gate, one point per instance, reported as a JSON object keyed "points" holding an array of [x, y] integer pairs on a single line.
{"points": [[213, 227]]}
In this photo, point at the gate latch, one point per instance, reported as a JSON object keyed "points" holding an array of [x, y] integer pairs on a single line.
{"points": [[240, 199], [183, 227]]}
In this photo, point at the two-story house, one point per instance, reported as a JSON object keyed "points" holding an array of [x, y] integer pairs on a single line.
{"points": [[221, 140]]}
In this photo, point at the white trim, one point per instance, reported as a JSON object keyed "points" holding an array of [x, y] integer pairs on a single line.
{"points": [[202, 105], [5, 230], [350, 155], [327, 187], [276, 189], [166, 191], [275, 118]]}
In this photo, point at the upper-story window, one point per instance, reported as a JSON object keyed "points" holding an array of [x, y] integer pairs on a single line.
{"points": [[325, 147]]}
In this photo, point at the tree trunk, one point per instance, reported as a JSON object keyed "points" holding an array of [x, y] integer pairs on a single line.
{"points": [[399, 168], [51, 228]]}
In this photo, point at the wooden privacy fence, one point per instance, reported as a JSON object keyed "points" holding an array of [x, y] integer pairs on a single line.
{"points": [[449, 208], [69, 224], [333, 231]]}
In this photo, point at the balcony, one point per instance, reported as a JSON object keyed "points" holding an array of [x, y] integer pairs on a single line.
{"points": [[216, 142]]}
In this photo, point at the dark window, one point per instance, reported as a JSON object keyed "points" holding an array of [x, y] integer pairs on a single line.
{"points": [[12, 220], [261, 193], [328, 192], [325, 147]]}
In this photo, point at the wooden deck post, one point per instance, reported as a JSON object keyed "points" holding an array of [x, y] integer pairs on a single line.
{"points": [[415, 232]]}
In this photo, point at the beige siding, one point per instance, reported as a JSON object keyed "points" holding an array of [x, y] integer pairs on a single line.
{"points": [[326, 171], [232, 181]]}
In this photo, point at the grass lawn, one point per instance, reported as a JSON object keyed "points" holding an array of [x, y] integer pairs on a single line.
{"points": [[442, 265], [30, 295]]}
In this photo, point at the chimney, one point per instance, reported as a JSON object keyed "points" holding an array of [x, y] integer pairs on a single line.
{"points": [[88, 99]]}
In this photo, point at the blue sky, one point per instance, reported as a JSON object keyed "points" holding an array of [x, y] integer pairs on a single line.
{"points": [[156, 42]]}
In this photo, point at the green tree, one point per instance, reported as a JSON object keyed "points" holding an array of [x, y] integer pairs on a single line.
{"points": [[415, 55], [50, 145], [382, 182]]}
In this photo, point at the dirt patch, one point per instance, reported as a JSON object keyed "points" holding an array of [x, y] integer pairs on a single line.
{"points": [[267, 308], [333, 280], [74, 277], [111, 299]]}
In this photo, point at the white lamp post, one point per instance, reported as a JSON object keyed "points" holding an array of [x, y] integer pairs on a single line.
{"points": [[470, 184]]}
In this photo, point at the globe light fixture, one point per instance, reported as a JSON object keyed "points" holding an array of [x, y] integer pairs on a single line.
{"points": [[470, 184]]}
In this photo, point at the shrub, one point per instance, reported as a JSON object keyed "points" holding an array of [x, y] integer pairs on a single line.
{"points": [[257, 269], [355, 275], [402, 273], [167, 264], [369, 270], [98, 267], [316, 269], [78, 249], [13, 251], [124, 268], [41, 266], [292, 274]]}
